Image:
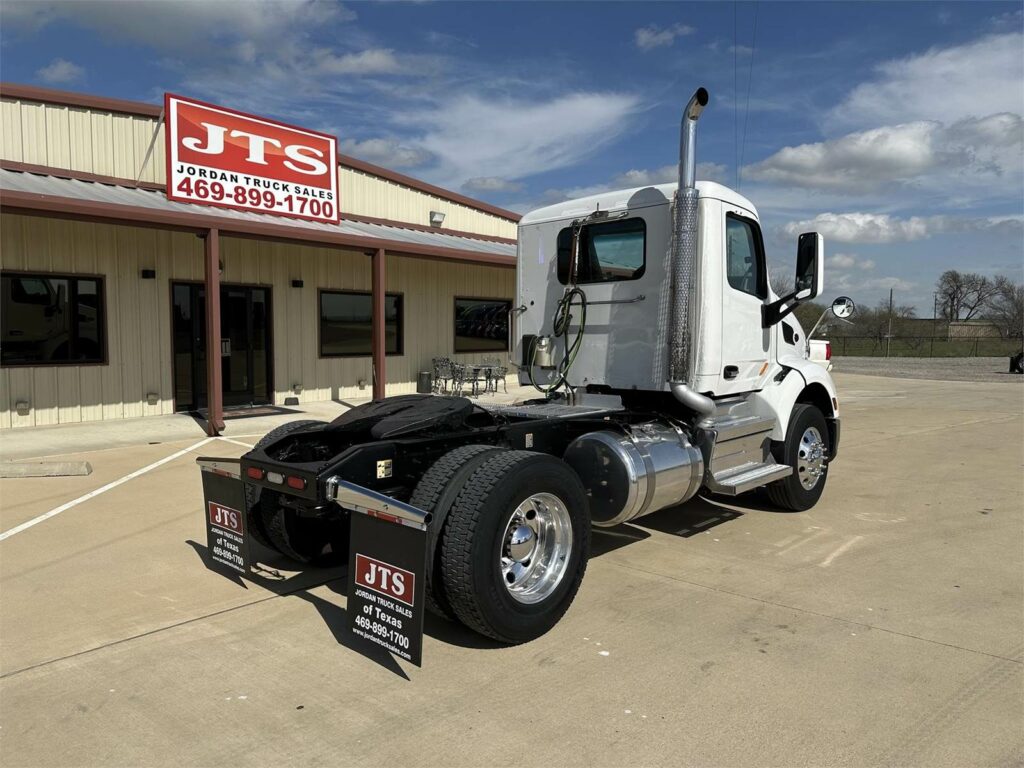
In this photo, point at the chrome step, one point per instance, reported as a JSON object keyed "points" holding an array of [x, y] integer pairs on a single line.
{"points": [[747, 477]]}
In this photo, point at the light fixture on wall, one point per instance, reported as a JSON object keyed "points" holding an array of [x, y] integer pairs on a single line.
{"points": [[297, 283], [436, 218], [148, 274]]}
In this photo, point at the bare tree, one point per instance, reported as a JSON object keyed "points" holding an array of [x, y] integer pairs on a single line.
{"points": [[1005, 308], [962, 295]]}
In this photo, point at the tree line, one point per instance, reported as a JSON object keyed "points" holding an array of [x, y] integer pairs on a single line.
{"points": [[959, 296]]}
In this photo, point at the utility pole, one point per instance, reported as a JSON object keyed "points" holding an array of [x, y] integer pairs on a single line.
{"points": [[888, 336]]}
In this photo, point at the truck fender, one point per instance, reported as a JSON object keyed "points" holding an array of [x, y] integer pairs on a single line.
{"points": [[809, 383]]}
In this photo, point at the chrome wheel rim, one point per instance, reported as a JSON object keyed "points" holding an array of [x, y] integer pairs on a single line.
{"points": [[535, 548], [810, 463]]}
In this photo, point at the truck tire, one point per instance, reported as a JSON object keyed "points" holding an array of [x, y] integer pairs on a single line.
{"points": [[435, 493], [515, 547], [806, 449], [305, 540]]}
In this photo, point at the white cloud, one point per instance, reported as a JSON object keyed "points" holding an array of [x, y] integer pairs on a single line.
{"points": [[474, 136], [664, 175], [883, 228], [852, 283], [909, 153], [492, 184], [982, 77], [650, 37], [387, 152], [848, 262], [373, 61], [60, 72], [178, 26]]}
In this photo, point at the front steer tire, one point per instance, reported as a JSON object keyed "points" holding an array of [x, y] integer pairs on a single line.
{"points": [[476, 536], [789, 492]]}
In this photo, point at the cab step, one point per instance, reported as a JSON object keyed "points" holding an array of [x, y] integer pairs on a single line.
{"points": [[747, 477]]}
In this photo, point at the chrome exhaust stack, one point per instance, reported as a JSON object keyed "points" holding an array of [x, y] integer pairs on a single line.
{"points": [[684, 263]]}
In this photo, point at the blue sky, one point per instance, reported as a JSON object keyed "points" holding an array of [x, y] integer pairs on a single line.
{"points": [[893, 128]]}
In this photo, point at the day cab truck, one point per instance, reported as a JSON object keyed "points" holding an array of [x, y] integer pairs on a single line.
{"points": [[665, 367]]}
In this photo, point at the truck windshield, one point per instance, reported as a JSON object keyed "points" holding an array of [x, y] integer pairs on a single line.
{"points": [[608, 251]]}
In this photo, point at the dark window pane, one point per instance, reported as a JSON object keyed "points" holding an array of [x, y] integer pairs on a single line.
{"points": [[346, 324], [742, 266], [481, 325], [48, 319], [608, 251]]}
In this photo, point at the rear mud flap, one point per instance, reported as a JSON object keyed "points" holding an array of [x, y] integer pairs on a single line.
{"points": [[387, 569], [227, 540]]}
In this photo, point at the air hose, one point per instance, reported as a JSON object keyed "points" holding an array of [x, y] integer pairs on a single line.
{"points": [[561, 323]]}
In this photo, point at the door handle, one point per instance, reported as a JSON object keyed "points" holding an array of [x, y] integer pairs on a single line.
{"points": [[731, 371]]}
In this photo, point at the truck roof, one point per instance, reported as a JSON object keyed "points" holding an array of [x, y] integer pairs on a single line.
{"points": [[637, 197]]}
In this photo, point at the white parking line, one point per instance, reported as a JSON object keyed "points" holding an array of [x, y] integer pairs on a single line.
{"points": [[828, 560], [236, 442], [75, 502]]}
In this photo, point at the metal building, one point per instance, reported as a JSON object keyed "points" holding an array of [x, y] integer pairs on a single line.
{"points": [[111, 293]]}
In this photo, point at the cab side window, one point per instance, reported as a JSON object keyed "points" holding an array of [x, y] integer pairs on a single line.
{"points": [[744, 256]]}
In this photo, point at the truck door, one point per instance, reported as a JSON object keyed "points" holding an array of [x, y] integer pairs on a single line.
{"points": [[745, 344]]}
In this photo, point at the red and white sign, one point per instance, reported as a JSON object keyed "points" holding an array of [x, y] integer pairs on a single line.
{"points": [[225, 517], [386, 579], [220, 157]]}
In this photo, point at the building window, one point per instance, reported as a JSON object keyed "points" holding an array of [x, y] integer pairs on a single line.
{"points": [[481, 325], [51, 320], [608, 251], [744, 256], [346, 324]]}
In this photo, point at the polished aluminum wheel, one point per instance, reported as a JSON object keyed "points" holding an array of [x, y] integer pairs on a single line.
{"points": [[536, 547], [810, 463]]}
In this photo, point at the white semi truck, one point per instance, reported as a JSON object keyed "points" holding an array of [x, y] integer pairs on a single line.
{"points": [[665, 367]]}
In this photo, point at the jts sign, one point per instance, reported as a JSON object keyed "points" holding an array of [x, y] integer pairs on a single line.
{"points": [[216, 156]]}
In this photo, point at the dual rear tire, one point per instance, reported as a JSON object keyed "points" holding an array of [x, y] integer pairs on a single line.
{"points": [[510, 543]]}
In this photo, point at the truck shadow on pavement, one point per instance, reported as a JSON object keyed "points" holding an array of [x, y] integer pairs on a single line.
{"points": [[696, 516]]}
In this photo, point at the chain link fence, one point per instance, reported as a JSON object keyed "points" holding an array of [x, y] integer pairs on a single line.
{"points": [[923, 346]]}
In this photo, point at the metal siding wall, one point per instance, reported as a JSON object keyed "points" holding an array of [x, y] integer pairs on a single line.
{"points": [[115, 144], [137, 315]]}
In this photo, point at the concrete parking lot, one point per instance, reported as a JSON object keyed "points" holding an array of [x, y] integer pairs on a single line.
{"points": [[884, 627]]}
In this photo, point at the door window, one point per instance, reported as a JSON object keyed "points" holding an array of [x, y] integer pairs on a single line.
{"points": [[744, 256]]}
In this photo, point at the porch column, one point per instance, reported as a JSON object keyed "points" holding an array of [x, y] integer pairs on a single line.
{"points": [[379, 366], [214, 384]]}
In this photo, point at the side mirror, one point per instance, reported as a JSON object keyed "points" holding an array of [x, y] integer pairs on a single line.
{"points": [[843, 307], [810, 265]]}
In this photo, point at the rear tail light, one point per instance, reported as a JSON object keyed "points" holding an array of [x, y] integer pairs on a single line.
{"points": [[275, 477], [254, 473], [297, 483], [828, 350]]}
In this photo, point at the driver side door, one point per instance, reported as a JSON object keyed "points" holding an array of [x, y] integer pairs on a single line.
{"points": [[745, 344]]}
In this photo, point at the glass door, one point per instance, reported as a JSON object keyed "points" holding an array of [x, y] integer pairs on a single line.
{"points": [[245, 345]]}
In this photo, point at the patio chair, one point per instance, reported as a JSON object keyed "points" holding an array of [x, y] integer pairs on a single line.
{"points": [[442, 374], [498, 373]]}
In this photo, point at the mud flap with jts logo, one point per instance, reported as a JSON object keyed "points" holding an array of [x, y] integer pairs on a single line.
{"points": [[387, 565], [224, 502]]}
